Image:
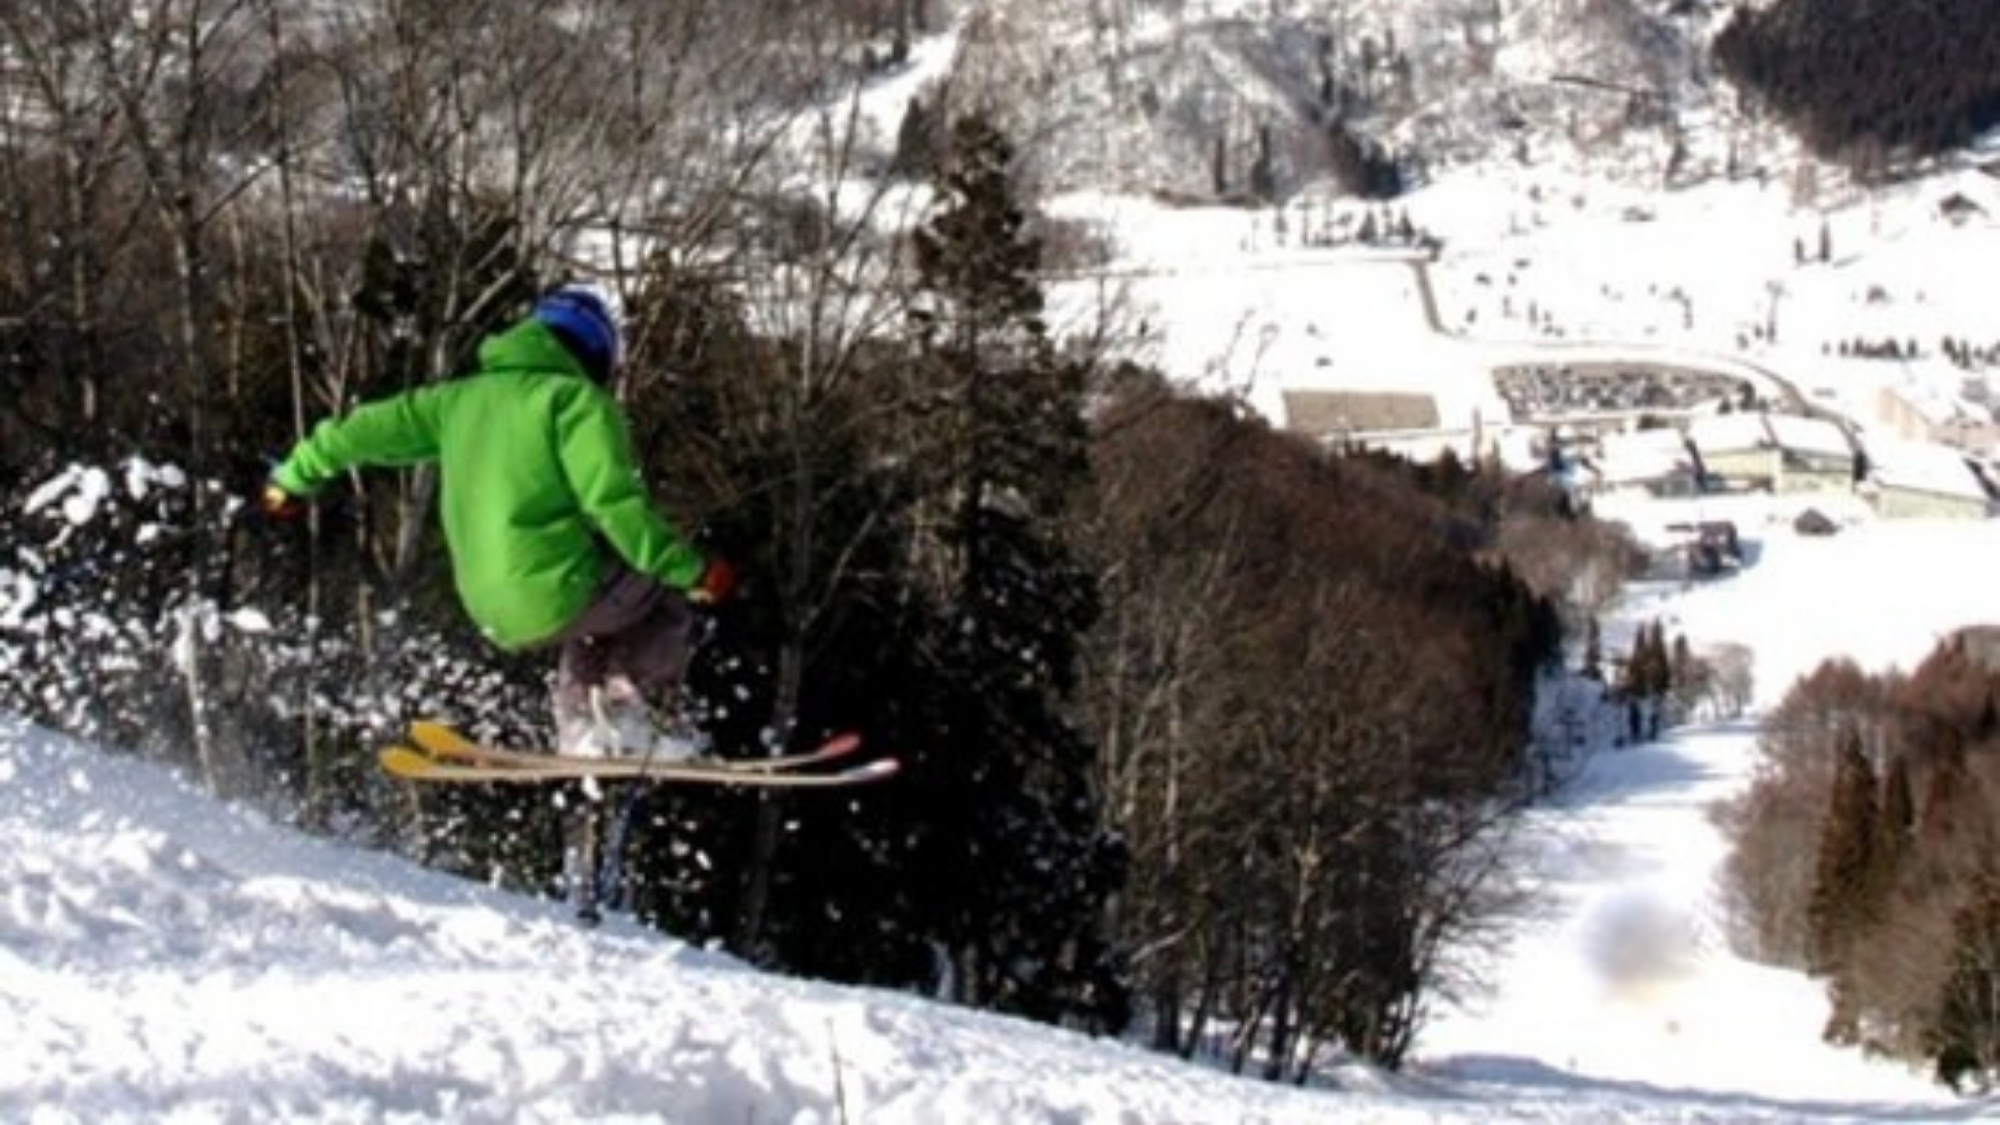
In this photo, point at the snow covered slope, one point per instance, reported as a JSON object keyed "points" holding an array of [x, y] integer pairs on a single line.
{"points": [[1628, 976], [166, 958], [1186, 98], [162, 957]]}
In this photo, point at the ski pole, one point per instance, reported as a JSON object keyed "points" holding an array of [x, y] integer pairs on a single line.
{"points": [[609, 878]]}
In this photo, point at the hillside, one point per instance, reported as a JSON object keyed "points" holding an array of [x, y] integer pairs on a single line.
{"points": [[1841, 75], [1228, 99]]}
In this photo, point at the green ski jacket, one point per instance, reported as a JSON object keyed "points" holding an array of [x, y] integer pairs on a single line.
{"points": [[535, 469]]}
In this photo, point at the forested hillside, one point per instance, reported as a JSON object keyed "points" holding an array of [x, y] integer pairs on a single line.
{"points": [[1864, 852], [1873, 85]]}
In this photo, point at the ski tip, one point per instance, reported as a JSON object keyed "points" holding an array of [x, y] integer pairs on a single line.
{"points": [[876, 770], [401, 761], [434, 731]]}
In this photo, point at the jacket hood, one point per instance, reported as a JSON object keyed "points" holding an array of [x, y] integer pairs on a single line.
{"points": [[529, 346]]}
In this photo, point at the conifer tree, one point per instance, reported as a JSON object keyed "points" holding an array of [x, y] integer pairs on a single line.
{"points": [[1844, 859], [1015, 832], [917, 141], [1838, 910], [1897, 819], [1648, 679], [1660, 663], [1964, 1037]]}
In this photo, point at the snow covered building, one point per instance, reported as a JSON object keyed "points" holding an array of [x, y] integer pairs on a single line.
{"points": [[1655, 462], [1772, 452], [1919, 414], [1921, 480], [1407, 424], [1339, 414]]}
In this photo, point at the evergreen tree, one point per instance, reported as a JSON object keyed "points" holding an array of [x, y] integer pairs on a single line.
{"points": [[1660, 677], [1639, 664], [1659, 663], [1648, 678], [1893, 826], [1838, 909], [1845, 74], [1016, 847], [1964, 1037], [917, 141], [1264, 170]]}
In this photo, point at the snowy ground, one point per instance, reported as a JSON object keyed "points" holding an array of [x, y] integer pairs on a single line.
{"points": [[163, 958], [1530, 264], [1628, 977]]}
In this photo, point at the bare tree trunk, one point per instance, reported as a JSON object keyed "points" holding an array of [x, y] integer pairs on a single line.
{"points": [[316, 801], [1279, 1044], [82, 296], [78, 120]]}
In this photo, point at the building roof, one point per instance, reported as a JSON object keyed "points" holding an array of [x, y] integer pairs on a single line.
{"points": [[1798, 434], [1742, 431], [1643, 455], [1920, 466], [1331, 413], [1730, 433]]}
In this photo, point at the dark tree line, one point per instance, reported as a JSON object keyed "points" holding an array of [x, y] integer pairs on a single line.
{"points": [[1865, 853], [1185, 707], [1871, 83]]}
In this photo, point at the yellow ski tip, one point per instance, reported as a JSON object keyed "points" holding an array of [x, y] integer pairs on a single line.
{"points": [[401, 761], [441, 738]]}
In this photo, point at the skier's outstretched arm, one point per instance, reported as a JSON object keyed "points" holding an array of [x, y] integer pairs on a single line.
{"points": [[402, 430]]}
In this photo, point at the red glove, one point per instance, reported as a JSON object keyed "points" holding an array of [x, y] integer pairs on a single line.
{"points": [[278, 505], [717, 582]]}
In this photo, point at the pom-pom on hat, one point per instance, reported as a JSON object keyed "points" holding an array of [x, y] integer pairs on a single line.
{"points": [[580, 318]]}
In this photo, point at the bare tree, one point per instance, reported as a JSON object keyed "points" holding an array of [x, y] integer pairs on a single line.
{"points": [[1287, 748], [170, 73], [71, 197]]}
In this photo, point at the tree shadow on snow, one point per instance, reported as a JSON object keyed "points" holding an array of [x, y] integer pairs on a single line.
{"points": [[1658, 767]]}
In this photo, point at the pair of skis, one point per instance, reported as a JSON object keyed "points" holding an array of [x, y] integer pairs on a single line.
{"points": [[596, 876], [438, 753]]}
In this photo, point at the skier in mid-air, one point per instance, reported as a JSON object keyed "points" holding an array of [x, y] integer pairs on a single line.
{"points": [[554, 539]]}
